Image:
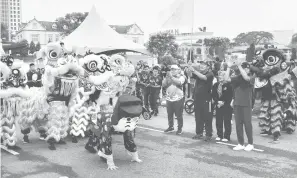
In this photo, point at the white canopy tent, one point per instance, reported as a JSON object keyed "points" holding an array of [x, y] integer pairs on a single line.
{"points": [[96, 35]]}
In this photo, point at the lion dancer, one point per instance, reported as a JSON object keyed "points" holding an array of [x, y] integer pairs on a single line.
{"points": [[13, 92], [278, 110], [107, 118], [60, 82], [85, 109]]}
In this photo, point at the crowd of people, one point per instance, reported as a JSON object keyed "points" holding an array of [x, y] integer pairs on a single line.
{"points": [[217, 91]]}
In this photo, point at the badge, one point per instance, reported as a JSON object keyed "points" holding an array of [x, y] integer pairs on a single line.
{"points": [[225, 88]]}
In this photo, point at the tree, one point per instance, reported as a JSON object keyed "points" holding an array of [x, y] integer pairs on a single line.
{"points": [[37, 47], [294, 39], [71, 21], [218, 45], [4, 32], [255, 37], [168, 60], [162, 44], [294, 54], [24, 50], [32, 47]]}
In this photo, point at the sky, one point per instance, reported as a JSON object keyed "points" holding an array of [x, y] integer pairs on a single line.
{"points": [[226, 18]]}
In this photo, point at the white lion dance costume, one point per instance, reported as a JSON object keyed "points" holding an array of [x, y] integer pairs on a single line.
{"points": [[98, 72], [109, 119], [60, 82], [13, 91]]}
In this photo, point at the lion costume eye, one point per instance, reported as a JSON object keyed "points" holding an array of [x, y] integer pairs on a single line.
{"points": [[92, 66], [271, 60], [15, 72], [284, 65], [53, 54]]}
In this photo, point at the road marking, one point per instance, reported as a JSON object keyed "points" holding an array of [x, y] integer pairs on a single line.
{"points": [[229, 144], [9, 151], [150, 129]]}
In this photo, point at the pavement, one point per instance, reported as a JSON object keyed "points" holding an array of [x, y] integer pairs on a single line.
{"points": [[163, 155]]}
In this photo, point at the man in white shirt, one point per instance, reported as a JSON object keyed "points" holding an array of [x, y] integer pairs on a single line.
{"points": [[175, 98]]}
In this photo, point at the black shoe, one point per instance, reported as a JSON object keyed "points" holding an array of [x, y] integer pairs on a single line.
{"points": [[276, 137], [207, 138], [52, 146], [90, 148], [74, 139], [170, 129], [179, 132], [62, 142], [289, 131], [198, 137], [156, 113], [264, 132], [26, 139]]}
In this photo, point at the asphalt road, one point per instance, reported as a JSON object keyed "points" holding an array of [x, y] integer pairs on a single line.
{"points": [[163, 155]]}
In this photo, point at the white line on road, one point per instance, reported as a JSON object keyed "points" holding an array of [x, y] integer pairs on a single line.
{"points": [[9, 151], [150, 129], [229, 144]]}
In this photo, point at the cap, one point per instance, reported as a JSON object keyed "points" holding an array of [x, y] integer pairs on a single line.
{"points": [[174, 67]]}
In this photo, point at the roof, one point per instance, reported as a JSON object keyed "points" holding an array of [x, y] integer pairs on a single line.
{"points": [[123, 29], [47, 25]]}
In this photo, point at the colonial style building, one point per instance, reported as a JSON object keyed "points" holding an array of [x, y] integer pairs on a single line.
{"points": [[45, 32], [131, 32], [39, 31]]}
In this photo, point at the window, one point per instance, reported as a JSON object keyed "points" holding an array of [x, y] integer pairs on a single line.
{"points": [[18, 8], [14, 28], [57, 37], [14, 16], [35, 38], [198, 51], [135, 40], [19, 20], [15, 20], [14, 8], [14, 12], [14, 24], [18, 12], [54, 26], [50, 38], [18, 16], [11, 28]]}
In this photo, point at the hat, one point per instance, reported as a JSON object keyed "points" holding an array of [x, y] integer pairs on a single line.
{"points": [[174, 67]]}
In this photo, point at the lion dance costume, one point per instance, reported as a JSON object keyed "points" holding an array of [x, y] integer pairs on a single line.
{"points": [[108, 118], [50, 109], [278, 110], [13, 91]]}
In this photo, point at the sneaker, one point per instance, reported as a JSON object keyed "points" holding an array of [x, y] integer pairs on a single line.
{"points": [[225, 140], [170, 129], [207, 138], [179, 132], [249, 147], [239, 147], [218, 139]]}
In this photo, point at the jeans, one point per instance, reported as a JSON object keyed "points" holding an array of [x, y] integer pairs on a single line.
{"points": [[146, 93], [154, 95], [175, 108]]}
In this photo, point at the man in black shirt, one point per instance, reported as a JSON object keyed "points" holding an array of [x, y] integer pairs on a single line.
{"points": [[34, 77], [202, 99]]}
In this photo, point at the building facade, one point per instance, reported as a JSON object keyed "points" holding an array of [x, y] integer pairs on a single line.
{"points": [[39, 31], [131, 32], [11, 14]]}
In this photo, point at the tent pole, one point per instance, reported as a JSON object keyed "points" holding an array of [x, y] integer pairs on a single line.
{"points": [[192, 31]]}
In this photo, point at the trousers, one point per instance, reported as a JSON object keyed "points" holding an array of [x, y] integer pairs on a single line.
{"points": [[223, 121], [154, 95], [175, 108], [243, 117], [203, 117]]}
